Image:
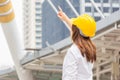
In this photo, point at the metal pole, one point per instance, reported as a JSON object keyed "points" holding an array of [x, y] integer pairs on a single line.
{"points": [[11, 32], [52, 5], [69, 3], [94, 4], [116, 26], [103, 33], [97, 71], [82, 6]]}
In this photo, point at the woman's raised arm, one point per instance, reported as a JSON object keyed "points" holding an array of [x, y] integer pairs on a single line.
{"points": [[65, 18]]}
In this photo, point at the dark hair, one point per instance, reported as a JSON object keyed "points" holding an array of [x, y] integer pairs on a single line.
{"points": [[87, 48]]}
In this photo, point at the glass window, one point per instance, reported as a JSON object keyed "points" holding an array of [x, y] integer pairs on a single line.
{"points": [[115, 1], [106, 9], [38, 20], [96, 10], [87, 0], [115, 9], [97, 18], [87, 9], [38, 43], [38, 32], [38, 37], [38, 14], [38, 9], [97, 1], [105, 1], [38, 26], [37, 3], [74, 1]]}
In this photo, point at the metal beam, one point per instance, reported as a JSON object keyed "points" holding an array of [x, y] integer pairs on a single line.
{"points": [[103, 33], [108, 46], [103, 71], [113, 34], [105, 42], [52, 5], [104, 55], [41, 68], [69, 3], [55, 60], [94, 4]]}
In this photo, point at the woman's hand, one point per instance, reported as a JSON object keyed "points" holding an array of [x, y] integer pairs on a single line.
{"points": [[62, 15], [65, 18]]}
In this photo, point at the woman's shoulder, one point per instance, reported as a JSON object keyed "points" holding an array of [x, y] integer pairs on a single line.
{"points": [[75, 51], [74, 47]]}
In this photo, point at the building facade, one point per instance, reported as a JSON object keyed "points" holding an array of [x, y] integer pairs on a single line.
{"points": [[38, 24], [32, 23], [106, 6]]}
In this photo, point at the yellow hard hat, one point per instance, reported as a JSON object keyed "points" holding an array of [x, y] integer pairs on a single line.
{"points": [[86, 24]]}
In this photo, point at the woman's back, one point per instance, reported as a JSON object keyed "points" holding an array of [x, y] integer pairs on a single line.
{"points": [[75, 66], [78, 62]]}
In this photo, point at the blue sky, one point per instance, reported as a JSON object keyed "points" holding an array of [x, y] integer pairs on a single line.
{"points": [[5, 57]]}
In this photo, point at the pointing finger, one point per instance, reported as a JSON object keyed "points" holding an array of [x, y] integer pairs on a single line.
{"points": [[59, 8]]}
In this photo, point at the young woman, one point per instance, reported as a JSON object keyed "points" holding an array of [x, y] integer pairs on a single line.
{"points": [[78, 62]]}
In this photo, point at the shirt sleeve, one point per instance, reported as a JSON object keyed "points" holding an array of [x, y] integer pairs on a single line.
{"points": [[69, 67]]}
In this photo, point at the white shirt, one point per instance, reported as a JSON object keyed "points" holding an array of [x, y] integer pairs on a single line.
{"points": [[75, 66]]}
